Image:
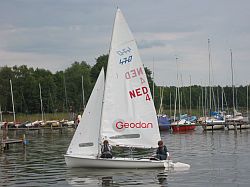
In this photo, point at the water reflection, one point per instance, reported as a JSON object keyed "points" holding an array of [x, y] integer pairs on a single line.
{"points": [[162, 178], [116, 177]]}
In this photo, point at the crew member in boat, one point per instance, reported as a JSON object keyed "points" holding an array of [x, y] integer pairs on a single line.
{"points": [[162, 151], [106, 150]]}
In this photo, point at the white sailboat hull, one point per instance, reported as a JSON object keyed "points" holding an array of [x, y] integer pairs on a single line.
{"points": [[119, 163]]}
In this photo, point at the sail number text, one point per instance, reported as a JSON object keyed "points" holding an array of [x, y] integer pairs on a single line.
{"points": [[122, 52], [138, 92], [126, 60]]}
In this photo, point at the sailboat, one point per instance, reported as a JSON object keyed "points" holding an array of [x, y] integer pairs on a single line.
{"points": [[183, 123], [214, 120], [235, 121], [120, 110]]}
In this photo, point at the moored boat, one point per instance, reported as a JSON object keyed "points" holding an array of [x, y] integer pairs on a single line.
{"points": [[164, 122], [183, 125]]}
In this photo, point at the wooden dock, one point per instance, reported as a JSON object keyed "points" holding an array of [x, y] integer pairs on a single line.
{"points": [[40, 129], [5, 143]]}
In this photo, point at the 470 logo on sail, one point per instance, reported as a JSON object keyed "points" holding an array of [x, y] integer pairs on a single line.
{"points": [[126, 60], [122, 52]]}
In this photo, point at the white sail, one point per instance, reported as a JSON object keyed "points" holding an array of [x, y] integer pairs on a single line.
{"points": [[129, 116], [86, 138]]}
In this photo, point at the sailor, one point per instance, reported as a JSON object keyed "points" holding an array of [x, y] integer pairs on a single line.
{"points": [[106, 150], [162, 151]]}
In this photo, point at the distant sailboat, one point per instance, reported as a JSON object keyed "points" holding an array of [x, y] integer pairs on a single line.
{"points": [[182, 123], [235, 121], [120, 110], [212, 120]]}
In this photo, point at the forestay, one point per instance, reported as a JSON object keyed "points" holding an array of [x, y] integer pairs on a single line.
{"points": [[129, 116], [85, 141]]}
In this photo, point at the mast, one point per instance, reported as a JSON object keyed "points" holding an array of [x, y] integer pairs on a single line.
{"points": [[218, 99], [110, 47], [179, 95], [83, 95], [13, 106], [235, 99], [231, 59], [65, 92], [176, 90], [205, 103], [222, 96], [209, 77], [170, 105], [190, 96], [247, 102], [202, 101], [199, 105], [41, 101], [161, 99], [153, 79], [104, 93], [100, 120]]}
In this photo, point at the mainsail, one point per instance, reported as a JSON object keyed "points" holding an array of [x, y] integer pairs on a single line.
{"points": [[129, 116]]}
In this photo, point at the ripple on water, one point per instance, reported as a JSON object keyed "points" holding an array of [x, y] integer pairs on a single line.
{"points": [[217, 158]]}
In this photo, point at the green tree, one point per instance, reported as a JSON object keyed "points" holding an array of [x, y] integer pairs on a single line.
{"points": [[73, 80]]}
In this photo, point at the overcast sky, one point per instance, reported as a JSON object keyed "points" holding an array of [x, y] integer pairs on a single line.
{"points": [[52, 34]]}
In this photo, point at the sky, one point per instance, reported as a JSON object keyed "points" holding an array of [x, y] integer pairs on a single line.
{"points": [[53, 34]]}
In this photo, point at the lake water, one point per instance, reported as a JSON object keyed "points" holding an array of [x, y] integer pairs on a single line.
{"points": [[219, 158]]}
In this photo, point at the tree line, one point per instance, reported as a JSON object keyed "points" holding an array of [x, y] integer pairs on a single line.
{"points": [[62, 91]]}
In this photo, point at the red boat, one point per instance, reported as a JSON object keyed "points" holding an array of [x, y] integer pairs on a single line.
{"points": [[178, 128], [182, 125]]}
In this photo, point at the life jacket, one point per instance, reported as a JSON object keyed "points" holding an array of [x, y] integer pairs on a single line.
{"points": [[106, 148], [162, 150]]}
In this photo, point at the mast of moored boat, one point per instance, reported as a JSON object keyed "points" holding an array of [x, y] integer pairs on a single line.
{"points": [[222, 104], [153, 81], [209, 77], [247, 103], [160, 111], [170, 110], [13, 105], [176, 90], [65, 92], [232, 74], [179, 94], [41, 101], [190, 97]]}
